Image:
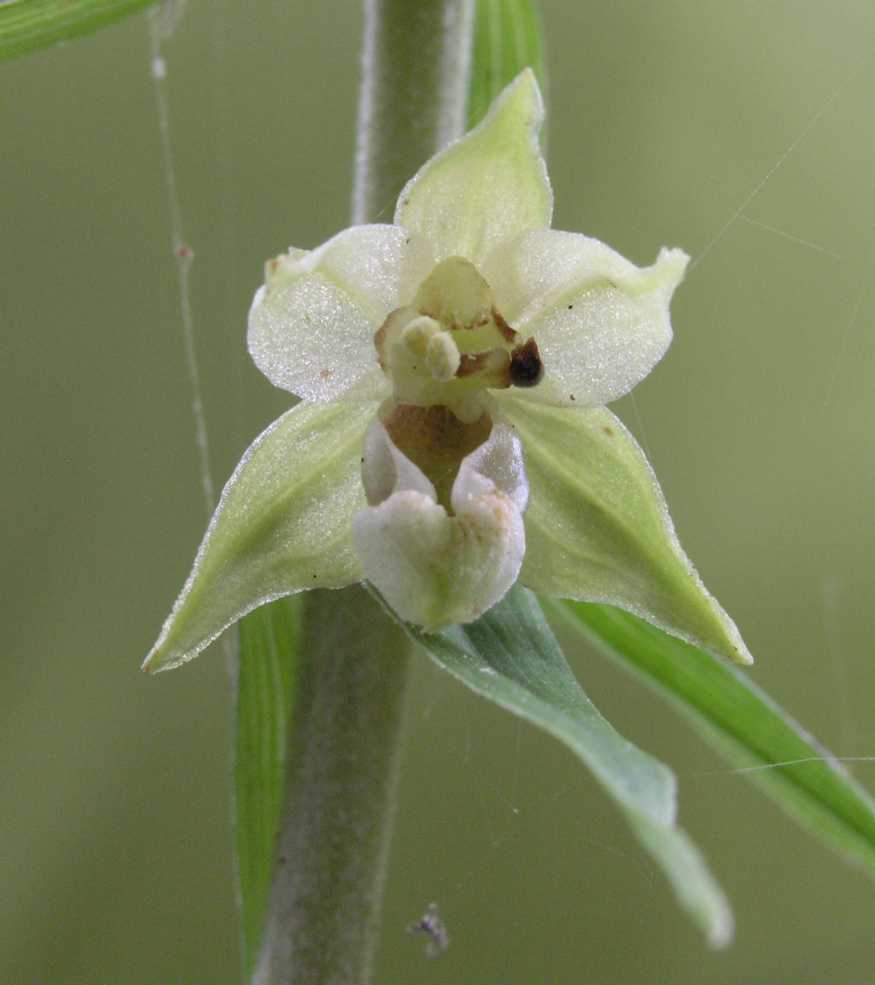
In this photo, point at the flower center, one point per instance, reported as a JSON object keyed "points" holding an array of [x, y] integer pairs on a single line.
{"points": [[450, 344]]}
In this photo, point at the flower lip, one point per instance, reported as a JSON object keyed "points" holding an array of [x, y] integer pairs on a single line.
{"points": [[438, 563]]}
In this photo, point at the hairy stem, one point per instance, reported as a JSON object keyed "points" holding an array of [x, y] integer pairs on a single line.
{"points": [[340, 789], [415, 77], [342, 763]]}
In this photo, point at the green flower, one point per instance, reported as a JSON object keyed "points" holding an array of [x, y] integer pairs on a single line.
{"points": [[451, 436]]}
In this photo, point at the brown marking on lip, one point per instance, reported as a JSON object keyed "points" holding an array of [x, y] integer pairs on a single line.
{"points": [[325, 374], [436, 441], [507, 333], [526, 367], [608, 431]]}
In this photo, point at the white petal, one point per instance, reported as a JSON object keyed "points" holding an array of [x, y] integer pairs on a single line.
{"points": [[489, 185], [311, 327], [600, 322], [435, 569]]}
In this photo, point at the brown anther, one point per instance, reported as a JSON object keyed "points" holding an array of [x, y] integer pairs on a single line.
{"points": [[526, 368]]}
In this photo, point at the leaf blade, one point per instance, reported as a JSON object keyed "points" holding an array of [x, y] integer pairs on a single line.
{"points": [[507, 39], [746, 724], [264, 689], [27, 25], [510, 657]]}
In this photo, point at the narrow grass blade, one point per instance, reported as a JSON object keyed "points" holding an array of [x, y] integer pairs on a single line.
{"points": [[26, 25], [507, 39], [266, 675]]}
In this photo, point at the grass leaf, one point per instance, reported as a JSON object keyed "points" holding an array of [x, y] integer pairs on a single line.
{"points": [[507, 39], [801, 775], [265, 688], [26, 25]]}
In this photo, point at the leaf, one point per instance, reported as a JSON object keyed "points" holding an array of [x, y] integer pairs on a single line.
{"points": [[264, 688], [26, 25], [801, 775], [598, 528], [507, 39], [283, 524], [511, 657]]}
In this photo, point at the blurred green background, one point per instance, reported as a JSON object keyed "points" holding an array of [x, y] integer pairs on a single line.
{"points": [[741, 131]]}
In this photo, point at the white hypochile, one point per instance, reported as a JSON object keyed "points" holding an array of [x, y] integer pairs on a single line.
{"points": [[451, 437]]}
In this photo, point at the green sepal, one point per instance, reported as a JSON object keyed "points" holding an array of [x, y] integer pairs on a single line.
{"points": [[487, 186], [283, 524], [598, 528]]}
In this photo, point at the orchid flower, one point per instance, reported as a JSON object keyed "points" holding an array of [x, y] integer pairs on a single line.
{"points": [[451, 436]]}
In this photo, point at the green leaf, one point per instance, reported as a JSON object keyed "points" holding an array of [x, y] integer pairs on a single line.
{"points": [[507, 39], [793, 768], [283, 524], [598, 528], [511, 657], [264, 689], [26, 25]]}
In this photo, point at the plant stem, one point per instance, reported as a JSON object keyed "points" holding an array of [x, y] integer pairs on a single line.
{"points": [[415, 77], [341, 778], [342, 763]]}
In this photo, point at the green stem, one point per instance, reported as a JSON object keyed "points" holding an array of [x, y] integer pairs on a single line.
{"points": [[415, 79], [342, 763], [341, 778]]}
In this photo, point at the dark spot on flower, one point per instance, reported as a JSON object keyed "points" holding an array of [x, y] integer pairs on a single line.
{"points": [[571, 396], [570, 306], [325, 373], [526, 368], [608, 431]]}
